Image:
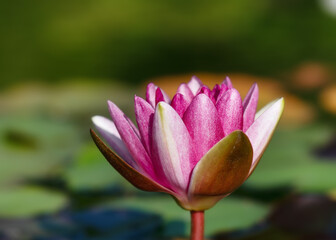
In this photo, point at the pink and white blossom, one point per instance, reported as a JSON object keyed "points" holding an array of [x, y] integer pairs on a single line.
{"points": [[198, 146]]}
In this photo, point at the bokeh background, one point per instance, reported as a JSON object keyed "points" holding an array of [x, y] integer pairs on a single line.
{"points": [[61, 60]]}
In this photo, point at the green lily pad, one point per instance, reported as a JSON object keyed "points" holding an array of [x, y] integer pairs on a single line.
{"points": [[91, 172], [87, 97], [32, 147], [72, 99], [289, 160], [29, 201], [228, 214], [317, 178], [234, 213]]}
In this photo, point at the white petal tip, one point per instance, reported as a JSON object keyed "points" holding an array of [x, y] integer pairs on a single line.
{"points": [[96, 119], [103, 123], [281, 102], [100, 121]]}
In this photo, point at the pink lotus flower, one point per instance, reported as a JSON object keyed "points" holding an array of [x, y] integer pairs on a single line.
{"points": [[198, 147]]}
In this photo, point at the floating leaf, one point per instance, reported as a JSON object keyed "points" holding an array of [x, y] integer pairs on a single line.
{"points": [[91, 172], [32, 147], [228, 214], [29, 201], [290, 160]]}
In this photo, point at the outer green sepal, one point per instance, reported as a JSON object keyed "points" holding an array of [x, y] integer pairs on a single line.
{"points": [[220, 171]]}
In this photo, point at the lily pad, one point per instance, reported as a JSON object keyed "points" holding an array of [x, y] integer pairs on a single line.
{"points": [[72, 99], [33, 147], [91, 172], [230, 213], [29, 201], [317, 177], [290, 160]]}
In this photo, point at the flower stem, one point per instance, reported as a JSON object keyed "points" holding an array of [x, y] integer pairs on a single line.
{"points": [[197, 225]]}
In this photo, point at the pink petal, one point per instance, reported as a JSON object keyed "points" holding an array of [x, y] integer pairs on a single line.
{"points": [[131, 139], [215, 91], [230, 111], [180, 104], [144, 117], [223, 89], [161, 96], [110, 133], [185, 91], [150, 94], [135, 177], [205, 90], [165, 96], [203, 123], [227, 82], [194, 84], [261, 131], [250, 106], [135, 129], [171, 148]]}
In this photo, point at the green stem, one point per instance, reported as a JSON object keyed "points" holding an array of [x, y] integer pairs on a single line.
{"points": [[197, 225]]}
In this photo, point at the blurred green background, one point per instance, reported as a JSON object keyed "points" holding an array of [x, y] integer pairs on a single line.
{"points": [[61, 60]]}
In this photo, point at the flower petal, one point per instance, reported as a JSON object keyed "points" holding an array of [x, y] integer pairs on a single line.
{"points": [[144, 117], [194, 84], [131, 139], [135, 129], [261, 131], [204, 126], [227, 82], [132, 175], [223, 169], [161, 96], [110, 133], [223, 89], [180, 104], [230, 111], [250, 106], [215, 91], [205, 90], [171, 148], [185, 91], [151, 93], [264, 108]]}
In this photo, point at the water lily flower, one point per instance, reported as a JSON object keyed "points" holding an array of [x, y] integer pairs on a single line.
{"points": [[198, 147]]}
